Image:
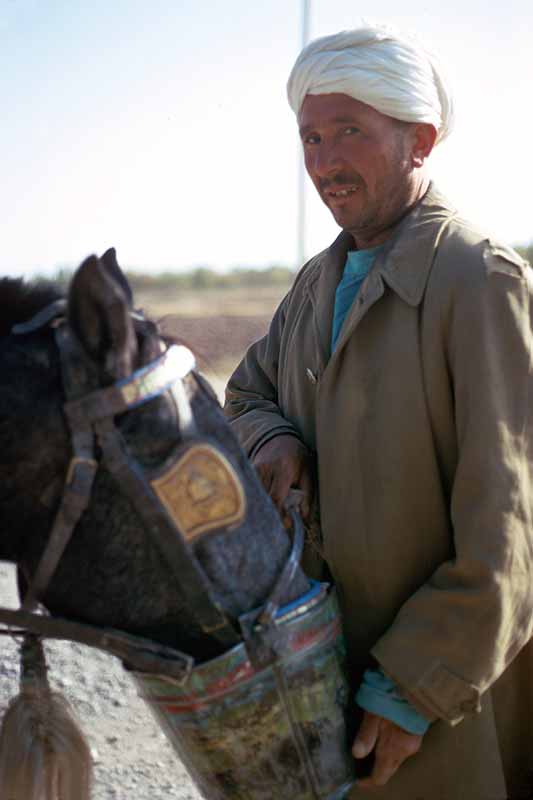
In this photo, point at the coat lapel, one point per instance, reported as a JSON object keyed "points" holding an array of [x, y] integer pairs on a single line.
{"points": [[321, 289], [403, 265], [406, 264]]}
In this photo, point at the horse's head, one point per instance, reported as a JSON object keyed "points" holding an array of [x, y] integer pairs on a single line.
{"points": [[112, 572], [119, 343]]}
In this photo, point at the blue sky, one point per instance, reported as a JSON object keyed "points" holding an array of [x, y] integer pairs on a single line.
{"points": [[162, 128]]}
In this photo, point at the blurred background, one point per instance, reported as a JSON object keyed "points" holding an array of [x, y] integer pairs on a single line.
{"points": [[163, 129]]}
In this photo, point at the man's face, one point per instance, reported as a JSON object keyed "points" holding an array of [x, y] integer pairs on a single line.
{"points": [[359, 161]]}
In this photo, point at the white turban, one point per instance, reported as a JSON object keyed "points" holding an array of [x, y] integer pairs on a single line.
{"points": [[389, 71]]}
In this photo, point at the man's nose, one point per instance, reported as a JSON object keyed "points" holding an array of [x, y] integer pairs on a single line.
{"points": [[327, 160]]}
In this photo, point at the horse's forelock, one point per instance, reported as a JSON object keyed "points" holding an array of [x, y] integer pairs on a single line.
{"points": [[20, 301]]}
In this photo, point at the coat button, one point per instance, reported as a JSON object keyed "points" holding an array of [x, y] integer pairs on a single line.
{"points": [[311, 375]]}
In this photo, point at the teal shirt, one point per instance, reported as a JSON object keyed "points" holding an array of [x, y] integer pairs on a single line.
{"points": [[379, 695], [357, 267]]}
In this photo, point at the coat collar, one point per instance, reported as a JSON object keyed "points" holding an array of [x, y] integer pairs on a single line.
{"points": [[406, 259]]}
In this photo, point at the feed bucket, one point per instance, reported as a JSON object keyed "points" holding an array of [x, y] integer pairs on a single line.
{"points": [[276, 732]]}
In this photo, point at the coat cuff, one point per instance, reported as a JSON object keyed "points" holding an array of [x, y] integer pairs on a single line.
{"points": [[267, 437], [438, 689]]}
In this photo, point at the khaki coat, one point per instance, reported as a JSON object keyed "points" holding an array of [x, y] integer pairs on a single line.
{"points": [[422, 425]]}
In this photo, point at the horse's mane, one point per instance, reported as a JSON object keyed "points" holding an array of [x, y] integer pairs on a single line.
{"points": [[20, 301]]}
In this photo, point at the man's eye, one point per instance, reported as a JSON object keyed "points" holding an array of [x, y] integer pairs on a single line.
{"points": [[311, 139], [351, 130]]}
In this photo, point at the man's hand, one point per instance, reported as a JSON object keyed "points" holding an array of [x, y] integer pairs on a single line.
{"points": [[285, 463], [391, 746]]}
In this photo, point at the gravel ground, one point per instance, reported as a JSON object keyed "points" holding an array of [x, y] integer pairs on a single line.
{"points": [[132, 758]]}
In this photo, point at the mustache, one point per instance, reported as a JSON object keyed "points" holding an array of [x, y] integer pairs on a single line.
{"points": [[341, 179]]}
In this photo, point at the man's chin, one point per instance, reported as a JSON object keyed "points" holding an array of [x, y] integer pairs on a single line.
{"points": [[345, 220], [345, 214]]}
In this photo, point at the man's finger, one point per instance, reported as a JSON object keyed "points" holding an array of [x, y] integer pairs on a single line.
{"points": [[393, 747], [383, 770], [279, 488], [306, 486], [367, 736], [264, 473], [378, 778]]}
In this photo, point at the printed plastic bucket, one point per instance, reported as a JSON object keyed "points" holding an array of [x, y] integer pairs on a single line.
{"points": [[278, 732]]}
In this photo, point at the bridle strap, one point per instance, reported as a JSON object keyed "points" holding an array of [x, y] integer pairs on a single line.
{"points": [[79, 479], [137, 652], [42, 318], [265, 641], [75, 499], [170, 542], [145, 384]]}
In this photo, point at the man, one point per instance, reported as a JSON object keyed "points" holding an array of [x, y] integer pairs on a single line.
{"points": [[401, 361]]}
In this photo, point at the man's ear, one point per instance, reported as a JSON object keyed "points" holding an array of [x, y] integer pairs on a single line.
{"points": [[98, 311], [423, 142]]}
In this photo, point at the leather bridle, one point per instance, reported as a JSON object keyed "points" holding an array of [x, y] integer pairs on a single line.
{"points": [[90, 411]]}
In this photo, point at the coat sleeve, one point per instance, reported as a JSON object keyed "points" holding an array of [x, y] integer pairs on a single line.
{"points": [[251, 404], [457, 634]]}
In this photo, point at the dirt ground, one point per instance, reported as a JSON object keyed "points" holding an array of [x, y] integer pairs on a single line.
{"points": [[132, 758], [218, 326], [218, 342]]}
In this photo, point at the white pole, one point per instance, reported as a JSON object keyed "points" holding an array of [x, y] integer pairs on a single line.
{"points": [[305, 21], [301, 257]]}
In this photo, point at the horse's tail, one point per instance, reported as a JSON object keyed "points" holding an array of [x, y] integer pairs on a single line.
{"points": [[43, 753]]}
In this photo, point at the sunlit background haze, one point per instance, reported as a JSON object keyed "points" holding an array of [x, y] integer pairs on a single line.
{"points": [[162, 127]]}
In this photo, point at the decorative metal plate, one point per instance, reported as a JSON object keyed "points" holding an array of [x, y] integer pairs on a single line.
{"points": [[201, 492]]}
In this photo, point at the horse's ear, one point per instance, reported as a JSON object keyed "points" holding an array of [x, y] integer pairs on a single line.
{"points": [[109, 260], [98, 312]]}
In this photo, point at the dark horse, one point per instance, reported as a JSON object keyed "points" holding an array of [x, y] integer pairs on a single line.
{"points": [[113, 574]]}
